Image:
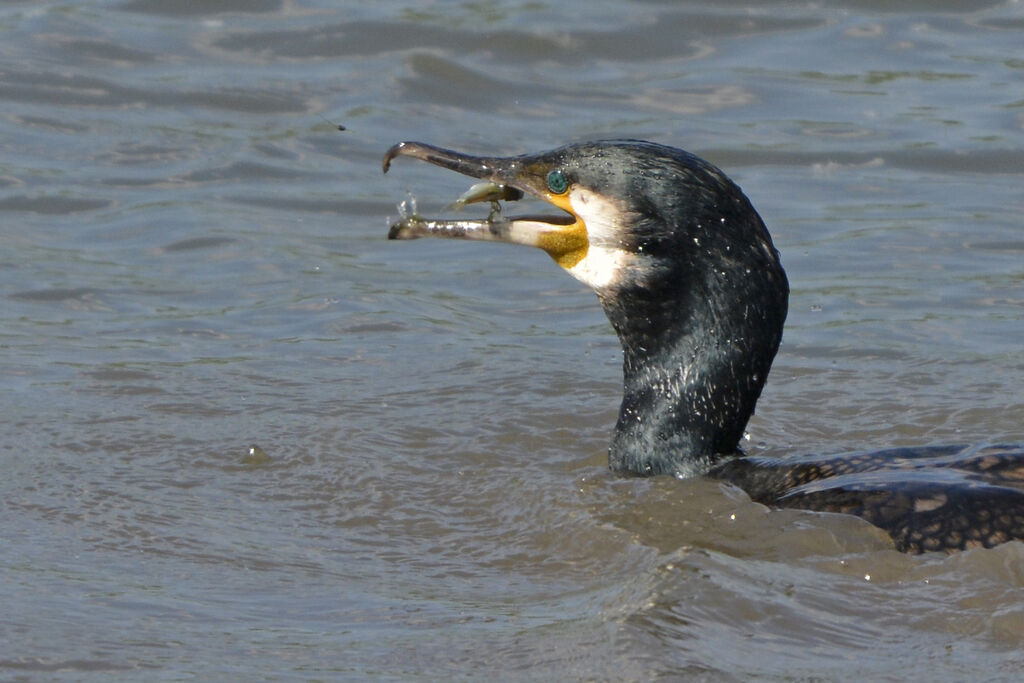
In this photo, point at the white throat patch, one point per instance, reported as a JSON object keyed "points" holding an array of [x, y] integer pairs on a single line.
{"points": [[606, 260]]}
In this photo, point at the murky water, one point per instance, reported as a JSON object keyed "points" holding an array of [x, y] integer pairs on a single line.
{"points": [[194, 263]]}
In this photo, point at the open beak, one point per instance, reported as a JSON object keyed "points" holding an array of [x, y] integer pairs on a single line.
{"points": [[563, 236]]}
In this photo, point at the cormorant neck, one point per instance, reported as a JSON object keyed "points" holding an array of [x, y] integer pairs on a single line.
{"points": [[698, 342]]}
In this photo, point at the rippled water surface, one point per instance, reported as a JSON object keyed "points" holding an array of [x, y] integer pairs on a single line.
{"points": [[194, 263]]}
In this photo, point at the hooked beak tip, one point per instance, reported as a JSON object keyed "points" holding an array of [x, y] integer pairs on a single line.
{"points": [[392, 152]]}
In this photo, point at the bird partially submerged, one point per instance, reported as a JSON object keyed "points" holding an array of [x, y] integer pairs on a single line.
{"points": [[686, 272]]}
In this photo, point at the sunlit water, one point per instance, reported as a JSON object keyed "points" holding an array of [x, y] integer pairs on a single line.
{"points": [[194, 263]]}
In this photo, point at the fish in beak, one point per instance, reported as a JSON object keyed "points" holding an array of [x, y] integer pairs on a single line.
{"points": [[562, 235]]}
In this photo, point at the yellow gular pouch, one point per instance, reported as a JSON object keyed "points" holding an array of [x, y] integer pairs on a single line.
{"points": [[568, 244]]}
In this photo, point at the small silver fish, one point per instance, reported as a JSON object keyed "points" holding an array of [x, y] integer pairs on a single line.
{"points": [[488, 192]]}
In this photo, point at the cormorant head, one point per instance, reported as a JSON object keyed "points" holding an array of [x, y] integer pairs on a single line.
{"points": [[681, 262]]}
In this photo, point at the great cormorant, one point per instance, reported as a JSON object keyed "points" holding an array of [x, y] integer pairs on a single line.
{"points": [[692, 284]]}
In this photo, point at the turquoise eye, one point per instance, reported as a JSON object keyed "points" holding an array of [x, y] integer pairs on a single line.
{"points": [[557, 182]]}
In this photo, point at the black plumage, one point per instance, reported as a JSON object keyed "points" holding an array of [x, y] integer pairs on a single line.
{"points": [[687, 274]]}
